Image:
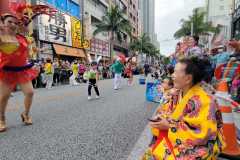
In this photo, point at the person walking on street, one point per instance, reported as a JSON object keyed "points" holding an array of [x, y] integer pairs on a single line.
{"points": [[73, 78], [93, 76], [56, 75], [147, 69], [117, 68], [129, 73], [49, 73], [81, 71]]}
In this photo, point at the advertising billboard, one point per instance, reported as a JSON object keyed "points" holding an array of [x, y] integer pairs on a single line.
{"points": [[76, 32], [56, 29]]}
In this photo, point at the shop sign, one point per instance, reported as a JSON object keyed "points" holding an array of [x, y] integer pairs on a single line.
{"points": [[100, 47], [76, 32], [76, 29], [56, 28]]}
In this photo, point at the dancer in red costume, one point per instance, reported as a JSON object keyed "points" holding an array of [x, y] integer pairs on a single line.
{"points": [[14, 66]]}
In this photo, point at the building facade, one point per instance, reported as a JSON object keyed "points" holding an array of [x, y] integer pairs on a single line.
{"points": [[131, 13], [220, 14], [147, 16], [94, 10], [61, 34], [236, 21], [133, 16]]}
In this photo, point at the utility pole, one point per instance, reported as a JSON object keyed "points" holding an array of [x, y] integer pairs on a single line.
{"points": [[191, 28], [82, 7], [232, 18]]}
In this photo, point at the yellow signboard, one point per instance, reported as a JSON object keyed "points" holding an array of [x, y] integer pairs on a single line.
{"points": [[77, 40], [76, 32]]}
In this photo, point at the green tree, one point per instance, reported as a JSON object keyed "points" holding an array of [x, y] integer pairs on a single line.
{"points": [[141, 44], [200, 27], [153, 51], [115, 24]]}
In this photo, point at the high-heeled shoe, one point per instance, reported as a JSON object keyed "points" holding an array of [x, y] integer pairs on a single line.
{"points": [[26, 119], [3, 126]]}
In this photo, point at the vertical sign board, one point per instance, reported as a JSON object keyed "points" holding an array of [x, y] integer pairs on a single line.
{"points": [[56, 29], [76, 32]]}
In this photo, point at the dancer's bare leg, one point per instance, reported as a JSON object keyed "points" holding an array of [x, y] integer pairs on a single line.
{"points": [[5, 93], [28, 91]]}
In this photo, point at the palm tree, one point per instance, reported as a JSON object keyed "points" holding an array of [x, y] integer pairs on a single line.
{"points": [[197, 22], [115, 24], [154, 51], [141, 44]]}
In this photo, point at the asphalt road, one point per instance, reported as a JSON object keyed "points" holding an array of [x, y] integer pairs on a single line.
{"points": [[69, 127]]}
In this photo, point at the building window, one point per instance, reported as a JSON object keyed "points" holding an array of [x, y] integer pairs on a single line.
{"points": [[134, 6], [221, 7]]}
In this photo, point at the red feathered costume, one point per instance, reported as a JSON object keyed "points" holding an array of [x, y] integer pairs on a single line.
{"points": [[15, 60], [14, 67]]}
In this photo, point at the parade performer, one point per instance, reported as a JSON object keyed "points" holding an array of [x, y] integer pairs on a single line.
{"points": [[74, 77], [49, 71], [93, 77], [129, 73], [193, 127], [118, 68], [15, 70]]}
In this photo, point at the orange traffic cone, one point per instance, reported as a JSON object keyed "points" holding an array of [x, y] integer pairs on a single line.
{"points": [[232, 149]]}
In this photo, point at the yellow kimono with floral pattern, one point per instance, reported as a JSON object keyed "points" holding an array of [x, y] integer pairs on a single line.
{"points": [[195, 129]]}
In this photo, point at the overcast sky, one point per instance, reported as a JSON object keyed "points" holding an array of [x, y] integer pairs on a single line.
{"points": [[168, 15]]}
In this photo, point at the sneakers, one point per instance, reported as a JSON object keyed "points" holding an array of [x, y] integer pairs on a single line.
{"points": [[90, 98]]}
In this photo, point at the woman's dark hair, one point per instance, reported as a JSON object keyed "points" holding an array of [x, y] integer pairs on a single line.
{"points": [[196, 39], [94, 63], [170, 81], [170, 69], [200, 69]]}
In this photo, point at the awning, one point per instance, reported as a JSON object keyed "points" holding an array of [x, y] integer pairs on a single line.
{"points": [[69, 51]]}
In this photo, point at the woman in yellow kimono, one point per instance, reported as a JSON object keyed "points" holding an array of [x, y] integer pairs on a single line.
{"points": [[193, 131]]}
